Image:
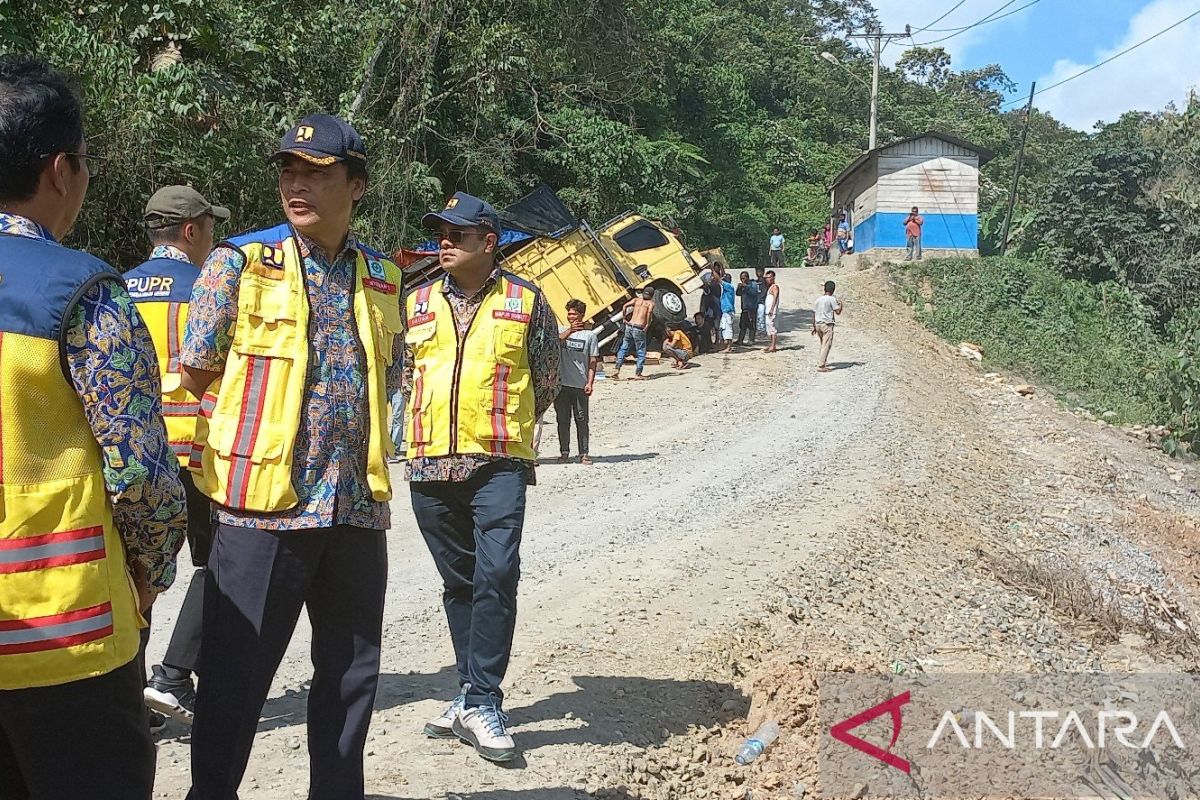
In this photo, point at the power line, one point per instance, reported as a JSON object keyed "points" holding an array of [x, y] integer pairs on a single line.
{"points": [[1111, 58], [953, 8], [992, 17]]}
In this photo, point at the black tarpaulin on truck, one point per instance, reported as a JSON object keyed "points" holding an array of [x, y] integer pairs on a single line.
{"points": [[541, 213]]}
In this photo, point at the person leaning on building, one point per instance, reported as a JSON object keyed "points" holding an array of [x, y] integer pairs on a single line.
{"points": [[93, 510], [481, 365], [180, 224], [292, 345]]}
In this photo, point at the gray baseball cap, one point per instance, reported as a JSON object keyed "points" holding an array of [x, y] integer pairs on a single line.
{"points": [[172, 205]]}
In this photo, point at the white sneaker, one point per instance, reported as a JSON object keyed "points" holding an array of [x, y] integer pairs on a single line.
{"points": [[441, 726], [483, 727]]}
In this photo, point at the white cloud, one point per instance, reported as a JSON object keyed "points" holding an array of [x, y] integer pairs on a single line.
{"points": [[895, 14], [1146, 79]]}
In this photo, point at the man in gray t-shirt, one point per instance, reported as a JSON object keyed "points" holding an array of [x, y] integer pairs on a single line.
{"points": [[577, 374]]}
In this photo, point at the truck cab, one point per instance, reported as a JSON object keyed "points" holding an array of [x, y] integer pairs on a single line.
{"points": [[603, 267]]}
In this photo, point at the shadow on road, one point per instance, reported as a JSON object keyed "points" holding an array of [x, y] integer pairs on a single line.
{"points": [[620, 459], [551, 793], [613, 710], [394, 690]]}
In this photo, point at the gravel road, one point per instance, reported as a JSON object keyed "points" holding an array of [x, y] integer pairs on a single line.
{"points": [[719, 493]]}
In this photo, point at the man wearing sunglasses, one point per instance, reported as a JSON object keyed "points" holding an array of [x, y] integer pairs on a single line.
{"points": [[481, 367], [292, 347], [93, 511]]}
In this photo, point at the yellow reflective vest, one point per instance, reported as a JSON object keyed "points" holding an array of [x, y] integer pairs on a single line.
{"points": [[246, 432], [68, 607], [471, 394], [162, 287]]}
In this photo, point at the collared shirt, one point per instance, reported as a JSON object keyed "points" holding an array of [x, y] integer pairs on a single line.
{"points": [[544, 359], [170, 251], [330, 455], [114, 371]]}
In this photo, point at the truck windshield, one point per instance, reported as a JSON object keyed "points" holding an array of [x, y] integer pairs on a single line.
{"points": [[641, 235]]}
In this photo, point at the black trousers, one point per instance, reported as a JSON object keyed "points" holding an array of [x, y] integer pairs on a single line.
{"points": [[473, 530], [183, 651], [84, 740], [257, 582], [571, 403], [747, 322]]}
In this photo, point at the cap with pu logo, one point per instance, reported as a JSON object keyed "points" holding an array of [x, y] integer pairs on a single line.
{"points": [[322, 139], [466, 211]]}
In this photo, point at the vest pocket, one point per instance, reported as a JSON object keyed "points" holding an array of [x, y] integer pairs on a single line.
{"points": [[509, 344], [501, 420], [266, 323], [384, 331]]}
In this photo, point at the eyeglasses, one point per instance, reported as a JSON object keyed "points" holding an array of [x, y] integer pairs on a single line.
{"points": [[90, 162], [456, 237]]}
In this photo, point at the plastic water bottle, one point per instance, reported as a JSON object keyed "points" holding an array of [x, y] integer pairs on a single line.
{"points": [[753, 747]]}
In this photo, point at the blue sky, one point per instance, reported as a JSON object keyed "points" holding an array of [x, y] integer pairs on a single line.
{"points": [[1054, 39]]}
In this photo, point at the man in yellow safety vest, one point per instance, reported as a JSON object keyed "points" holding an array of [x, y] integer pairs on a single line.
{"points": [[91, 508], [292, 347], [481, 366], [180, 223]]}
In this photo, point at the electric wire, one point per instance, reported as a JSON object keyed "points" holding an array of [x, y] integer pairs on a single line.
{"points": [[1108, 60]]}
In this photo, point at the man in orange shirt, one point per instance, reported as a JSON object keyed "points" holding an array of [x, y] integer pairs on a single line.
{"points": [[912, 227]]}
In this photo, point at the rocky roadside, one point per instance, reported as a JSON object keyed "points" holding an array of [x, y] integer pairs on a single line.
{"points": [[1014, 536]]}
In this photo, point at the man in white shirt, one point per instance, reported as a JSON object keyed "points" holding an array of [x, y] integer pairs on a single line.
{"points": [[825, 310], [771, 306]]}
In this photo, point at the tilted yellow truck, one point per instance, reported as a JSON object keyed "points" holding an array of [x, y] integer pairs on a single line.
{"points": [[603, 267]]}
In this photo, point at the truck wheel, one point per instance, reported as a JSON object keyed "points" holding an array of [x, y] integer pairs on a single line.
{"points": [[668, 306]]}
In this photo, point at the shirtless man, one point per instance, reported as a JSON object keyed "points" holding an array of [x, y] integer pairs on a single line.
{"points": [[772, 307], [638, 313]]}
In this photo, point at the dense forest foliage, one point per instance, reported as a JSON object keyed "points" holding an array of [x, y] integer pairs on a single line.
{"points": [[718, 114]]}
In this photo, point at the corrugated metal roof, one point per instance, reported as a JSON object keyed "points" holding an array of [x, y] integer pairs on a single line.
{"points": [[984, 154]]}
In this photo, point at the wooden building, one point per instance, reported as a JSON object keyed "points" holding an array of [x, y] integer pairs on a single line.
{"points": [[937, 172]]}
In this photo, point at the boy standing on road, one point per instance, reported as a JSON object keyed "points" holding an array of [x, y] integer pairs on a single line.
{"points": [[771, 305], [577, 376], [760, 288], [825, 310], [748, 291], [777, 243], [728, 303], [638, 313]]}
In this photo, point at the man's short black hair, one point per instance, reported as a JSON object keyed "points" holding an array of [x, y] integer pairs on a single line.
{"points": [[40, 117], [830, 286], [577, 305], [167, 235], [760, 269], [357, 169], [771, 272]]}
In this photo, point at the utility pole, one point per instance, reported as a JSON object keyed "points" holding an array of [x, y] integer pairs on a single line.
{"points": [[1012, 193], [877, 38]]}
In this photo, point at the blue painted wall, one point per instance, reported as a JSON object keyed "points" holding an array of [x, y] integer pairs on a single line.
{"points": [[946, 231]]}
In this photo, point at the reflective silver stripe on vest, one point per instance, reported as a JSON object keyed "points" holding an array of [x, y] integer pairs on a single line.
{"points": [[52, 550], [59, 631]]}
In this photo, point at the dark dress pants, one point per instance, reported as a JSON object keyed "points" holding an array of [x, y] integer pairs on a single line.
{"points": [[84, 740], [257, 582], [473, 530]]}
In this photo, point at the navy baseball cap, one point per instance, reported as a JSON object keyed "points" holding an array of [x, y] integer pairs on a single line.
{"points": [[465, 210], [322, 139]]}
